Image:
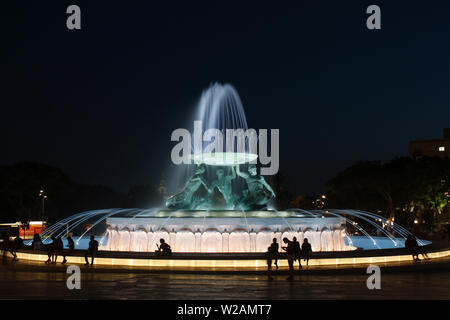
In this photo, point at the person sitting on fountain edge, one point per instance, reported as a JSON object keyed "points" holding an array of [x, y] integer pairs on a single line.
{"points": [[71, 246], [164, 248], [306, 250], [257, 196], [297, 252], [274, 249]]}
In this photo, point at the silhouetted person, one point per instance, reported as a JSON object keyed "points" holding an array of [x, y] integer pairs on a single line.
{"points": [[11, 248], [272, 254], [51, 248], [55, 249], [269, 257], [60, 249], [419, 249], [290, 251], [37, 242], [5, 244], [71, 245], [164, 249], [408, 245], [92, 250], [275, 249], [297, 252], [18, 242], [413, 248], [70, 242], [306, 250], [15, 246]]}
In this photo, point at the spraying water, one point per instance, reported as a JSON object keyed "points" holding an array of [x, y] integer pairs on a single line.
{"points": [[230, 231], [210, 230]]}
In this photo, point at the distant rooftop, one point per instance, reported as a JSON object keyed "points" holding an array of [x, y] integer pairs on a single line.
{"points": [[431, 147]]}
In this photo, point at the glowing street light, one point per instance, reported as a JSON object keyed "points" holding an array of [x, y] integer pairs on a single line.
{"points": [[43, 196]]}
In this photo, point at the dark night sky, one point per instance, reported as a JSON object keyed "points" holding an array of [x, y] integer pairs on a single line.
{"points": [[101, 103]]}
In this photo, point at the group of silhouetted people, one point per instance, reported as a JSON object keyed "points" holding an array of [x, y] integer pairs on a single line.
{"points": [[55, 248], [292, 250], [293, 253]]}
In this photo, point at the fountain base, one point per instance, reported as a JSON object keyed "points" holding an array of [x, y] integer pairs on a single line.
{"points": [[223, 231]]}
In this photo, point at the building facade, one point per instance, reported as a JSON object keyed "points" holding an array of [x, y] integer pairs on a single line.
{"points": [[431, 148]]}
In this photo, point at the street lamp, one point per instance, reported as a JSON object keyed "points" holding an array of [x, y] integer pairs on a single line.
{"points": [[43, 196]]}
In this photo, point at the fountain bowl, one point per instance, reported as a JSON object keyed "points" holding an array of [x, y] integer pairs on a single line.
{"points": [[227, 231]]}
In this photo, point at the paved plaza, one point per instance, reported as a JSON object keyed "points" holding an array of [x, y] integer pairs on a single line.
{"points": [[22, 280]]}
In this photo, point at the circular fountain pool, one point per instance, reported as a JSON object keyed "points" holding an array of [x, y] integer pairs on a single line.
{"points": [[357, 242], [222, 208], [139, 230], [222, 231]]}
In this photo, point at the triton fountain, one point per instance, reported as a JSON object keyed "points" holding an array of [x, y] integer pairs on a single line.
{"points": [[214, 214], [225, 205]]}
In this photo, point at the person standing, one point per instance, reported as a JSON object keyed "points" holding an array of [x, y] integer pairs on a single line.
{"points": [[91, 251], [71, 246], [269, 257], [60, 248], [15, 246], [37, 242], [70, 243], [413, 248], [5, 244], [51, 250], [420, 249]]}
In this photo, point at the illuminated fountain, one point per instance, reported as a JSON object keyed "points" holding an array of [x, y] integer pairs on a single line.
{"points": [[222, 207], [225, 206], [223, 231]]}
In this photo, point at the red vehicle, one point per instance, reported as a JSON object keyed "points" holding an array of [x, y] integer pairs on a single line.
{"points": [[14, 229]]}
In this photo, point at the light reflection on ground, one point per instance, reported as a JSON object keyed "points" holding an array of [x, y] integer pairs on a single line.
{"points": [[429, 283]]}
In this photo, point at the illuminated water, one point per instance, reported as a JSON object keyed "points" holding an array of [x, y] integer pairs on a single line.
{"points": [[219, 107], [360, 242], [140, 230]]}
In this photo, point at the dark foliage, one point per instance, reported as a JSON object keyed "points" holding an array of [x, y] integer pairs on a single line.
{"points": [[403, 188], [19, 194]]}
